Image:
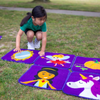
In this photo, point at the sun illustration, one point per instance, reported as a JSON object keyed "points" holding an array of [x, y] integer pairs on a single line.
{"points": [[25, 54]]}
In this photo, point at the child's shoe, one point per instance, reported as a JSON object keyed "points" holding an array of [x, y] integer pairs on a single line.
{"points": [[30, 45], [36, 43]]}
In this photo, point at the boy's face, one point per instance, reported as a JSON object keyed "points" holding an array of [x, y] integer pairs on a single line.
{"points": [[38, 21]]}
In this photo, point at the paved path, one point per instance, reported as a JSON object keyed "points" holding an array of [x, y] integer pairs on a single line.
{"points": [[67, 12]]}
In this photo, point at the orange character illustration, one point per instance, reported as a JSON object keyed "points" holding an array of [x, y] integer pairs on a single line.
{"points": [[44, 77]]}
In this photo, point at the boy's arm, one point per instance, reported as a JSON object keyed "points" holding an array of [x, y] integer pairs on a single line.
{"points": [[18, 38], [44, 41]]}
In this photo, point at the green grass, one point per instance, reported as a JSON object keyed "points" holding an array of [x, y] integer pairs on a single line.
{"points": [[82, 5], [76, 35]]}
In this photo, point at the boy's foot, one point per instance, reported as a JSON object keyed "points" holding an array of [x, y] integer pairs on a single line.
{"points": [[30, 45], [36, 43]]}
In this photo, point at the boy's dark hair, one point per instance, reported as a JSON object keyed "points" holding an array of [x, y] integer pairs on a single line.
{"points": [[37, 12]]}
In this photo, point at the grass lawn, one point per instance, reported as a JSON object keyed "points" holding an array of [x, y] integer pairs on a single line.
{"points": [[76, 35], [82, 5]]}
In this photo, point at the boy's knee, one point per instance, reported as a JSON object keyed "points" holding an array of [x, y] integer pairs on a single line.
{"points": [[30, 34], [39, 36]]}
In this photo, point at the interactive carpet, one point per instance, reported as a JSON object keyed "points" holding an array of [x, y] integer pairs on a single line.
{"points": [[83, 85], [0, 37], [45, 77], [85, 64], [55, 60], [26, 56], [77, 76]]}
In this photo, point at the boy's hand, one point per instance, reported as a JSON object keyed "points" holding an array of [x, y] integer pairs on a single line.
{"points": [[17, 49], [41, 53]]}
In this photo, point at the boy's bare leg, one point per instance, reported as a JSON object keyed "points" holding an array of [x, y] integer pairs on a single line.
{"points": [[30, 35]]}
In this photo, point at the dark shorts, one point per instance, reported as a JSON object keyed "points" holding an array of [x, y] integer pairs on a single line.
{"points": [[31, 30]]}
